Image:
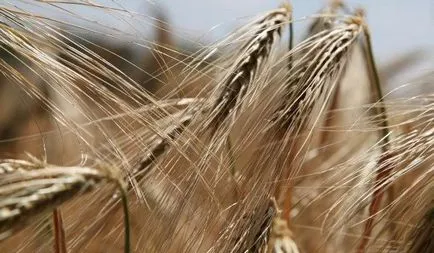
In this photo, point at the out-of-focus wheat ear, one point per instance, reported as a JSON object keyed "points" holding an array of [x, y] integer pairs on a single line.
{"points": [[31, 189], [383, 170], [244, 70], [422, 239], [163, 53], [161, 144], [325, 21], [399, 64], [280, 237]]}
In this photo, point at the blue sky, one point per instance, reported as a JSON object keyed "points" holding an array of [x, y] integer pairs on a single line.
{"points": [[396, 25]]}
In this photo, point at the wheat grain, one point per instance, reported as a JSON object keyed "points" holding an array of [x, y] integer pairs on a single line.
{"points": [[28, 192], [31, 189], [325, 57], [244, 70]]}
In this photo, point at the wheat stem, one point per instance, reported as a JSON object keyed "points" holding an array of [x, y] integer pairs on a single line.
{"points": [[59, 232], [287, 202], [127, 239], [291, 40], [378, 93], [383, 171]]}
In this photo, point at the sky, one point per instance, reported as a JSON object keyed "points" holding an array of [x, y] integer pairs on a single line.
{"points": [[397, 26]]}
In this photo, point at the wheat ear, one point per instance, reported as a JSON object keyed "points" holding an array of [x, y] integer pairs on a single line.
{"points": [[30, 189], [319, 25], [244, 70], [161, 144], [317, 71], [280, 237], [26, 193], [323, 59], [227, 98]]}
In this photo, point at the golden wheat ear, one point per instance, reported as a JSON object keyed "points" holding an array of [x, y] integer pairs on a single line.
{"points": [[28, 191], [236, 84], [322, 64], [32, 189]]}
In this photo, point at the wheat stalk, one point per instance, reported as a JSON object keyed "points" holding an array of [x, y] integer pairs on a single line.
{"points": [[383, 171], [59, 232]]}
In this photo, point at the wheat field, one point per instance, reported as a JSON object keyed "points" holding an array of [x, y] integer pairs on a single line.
{"points": [[264, 141]]}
